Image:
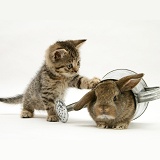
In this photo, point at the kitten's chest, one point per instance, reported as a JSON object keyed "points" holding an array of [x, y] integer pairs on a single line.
{"points": [[60, 89], [56, 86], [62, 85], [59, 86]]}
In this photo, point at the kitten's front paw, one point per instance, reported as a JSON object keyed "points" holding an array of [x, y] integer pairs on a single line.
{"points": [[52, 118], [93, 82]]}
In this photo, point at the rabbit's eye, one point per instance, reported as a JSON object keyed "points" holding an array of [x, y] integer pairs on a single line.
{"points": [[115, 98]]}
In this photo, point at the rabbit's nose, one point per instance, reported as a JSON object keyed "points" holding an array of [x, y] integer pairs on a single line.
{"points": [[110, 111], [101, 110], [106, 110]]}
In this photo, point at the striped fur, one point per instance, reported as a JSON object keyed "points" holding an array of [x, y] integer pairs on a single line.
{"points": [[13, 100], [60, 71]]}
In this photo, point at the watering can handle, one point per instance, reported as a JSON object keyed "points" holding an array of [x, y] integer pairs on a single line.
{"points": [[148, 94]]}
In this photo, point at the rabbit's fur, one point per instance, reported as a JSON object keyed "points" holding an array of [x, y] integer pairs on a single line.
{"points": [[111, 103]]}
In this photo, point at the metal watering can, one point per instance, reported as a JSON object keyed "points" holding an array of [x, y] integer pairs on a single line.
{"points": [[143, 94]]}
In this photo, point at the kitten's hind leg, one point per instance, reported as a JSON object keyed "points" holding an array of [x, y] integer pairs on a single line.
{"points": [[52, 117], [26, 114], [28, 110]]}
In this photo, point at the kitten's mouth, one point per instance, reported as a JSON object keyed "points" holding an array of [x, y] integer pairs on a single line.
{"points": [[69, 74]]}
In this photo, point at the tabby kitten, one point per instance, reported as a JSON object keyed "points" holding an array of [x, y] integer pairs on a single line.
{"points": [[60, 71]]}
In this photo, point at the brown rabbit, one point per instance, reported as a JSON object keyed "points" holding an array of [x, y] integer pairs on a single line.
{"points": [[111, 103]]}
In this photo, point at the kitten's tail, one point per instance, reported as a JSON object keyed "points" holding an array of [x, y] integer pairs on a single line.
{"points": [[13, 100]]}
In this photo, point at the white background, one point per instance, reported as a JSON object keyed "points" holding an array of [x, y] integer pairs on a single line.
{"points": [[120, 34]]}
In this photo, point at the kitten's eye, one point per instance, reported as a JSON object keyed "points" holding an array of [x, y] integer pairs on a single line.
{"points": [[69, 66], [115, 98]]}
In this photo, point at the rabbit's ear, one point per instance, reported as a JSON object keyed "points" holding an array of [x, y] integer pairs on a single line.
{"points": [[129, 82], [84, 100]]}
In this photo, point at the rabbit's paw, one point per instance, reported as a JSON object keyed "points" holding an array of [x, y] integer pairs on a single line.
{"points": [[101, 125], [93, 82], [121, 126]]}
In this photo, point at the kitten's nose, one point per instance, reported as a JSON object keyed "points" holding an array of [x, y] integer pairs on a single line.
{"points": [[75, 70]]}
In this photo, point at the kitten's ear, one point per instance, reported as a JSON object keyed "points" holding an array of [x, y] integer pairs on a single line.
{"points": [[58, 54], [78, 43]]}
